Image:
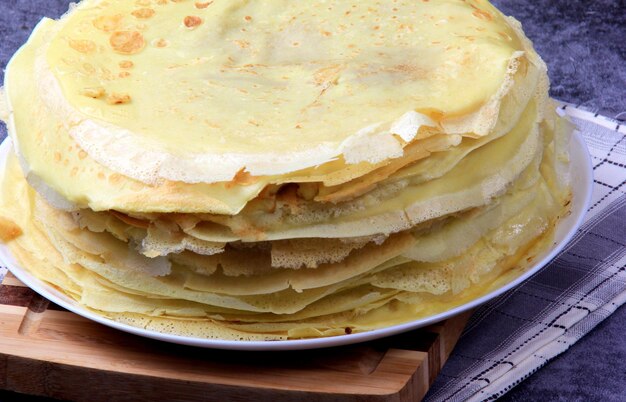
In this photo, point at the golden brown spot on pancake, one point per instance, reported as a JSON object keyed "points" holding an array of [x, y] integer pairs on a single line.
{"points": [[250, 232], [410, 70], [161, 43], [94, 92], [483, 15], [107, 23], [115, 178], [242, 43], [143, 13], [118, 99], [124, 74], [203, 5], [82, 46], [127, 42], [143, 2], [9, 230], [505, 35], [82, 154], [57, 156], [243, 178], [74, 172], [192, 21], [247, 18], [327, 75], [126, 64], [101, 176]]}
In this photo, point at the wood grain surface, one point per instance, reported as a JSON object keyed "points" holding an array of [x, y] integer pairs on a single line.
{"points": [[48, 351]]}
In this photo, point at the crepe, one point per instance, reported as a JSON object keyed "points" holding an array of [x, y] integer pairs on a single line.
{"points": [[333, 142], [203, 169]]}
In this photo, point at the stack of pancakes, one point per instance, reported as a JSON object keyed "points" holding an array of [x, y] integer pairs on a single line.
{"points": [[279, 169]]}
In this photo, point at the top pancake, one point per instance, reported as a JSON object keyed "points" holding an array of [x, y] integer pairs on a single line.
{"points": [[196, 92]]}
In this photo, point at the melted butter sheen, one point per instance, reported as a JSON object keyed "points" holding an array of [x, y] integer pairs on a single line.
{"points": [[243, 76]]}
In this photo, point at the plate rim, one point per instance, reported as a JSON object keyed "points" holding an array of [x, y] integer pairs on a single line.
{"points": [[580, 162]]}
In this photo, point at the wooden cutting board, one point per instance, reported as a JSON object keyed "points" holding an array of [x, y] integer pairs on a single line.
{"points": [[48, 351]]}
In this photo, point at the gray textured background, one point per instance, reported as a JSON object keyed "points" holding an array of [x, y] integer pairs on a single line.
{"points": [[584, 44]]}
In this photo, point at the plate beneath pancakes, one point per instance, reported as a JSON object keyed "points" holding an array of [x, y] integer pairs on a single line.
{"points": [[580, 171]]}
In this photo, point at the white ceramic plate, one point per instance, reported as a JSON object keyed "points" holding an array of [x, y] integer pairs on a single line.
{"points": [[581, 172]]}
